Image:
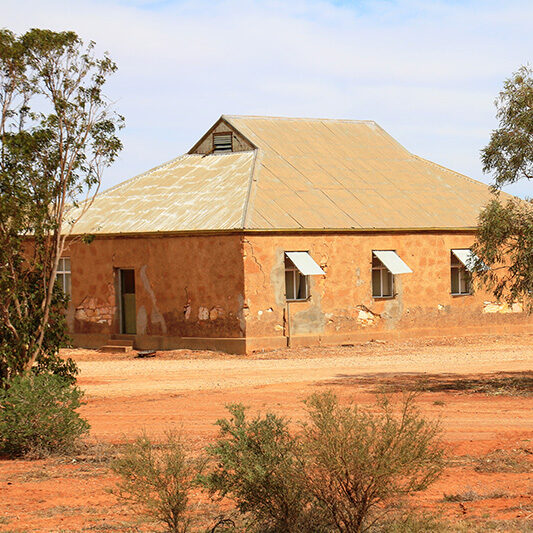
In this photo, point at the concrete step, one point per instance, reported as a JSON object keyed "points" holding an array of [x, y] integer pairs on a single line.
{"points": [[121, 342], [116, 348]]}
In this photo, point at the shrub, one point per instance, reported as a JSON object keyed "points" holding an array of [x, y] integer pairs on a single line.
{"points": [[359, 460], [159, 478], [38, 415], [261, 467]]}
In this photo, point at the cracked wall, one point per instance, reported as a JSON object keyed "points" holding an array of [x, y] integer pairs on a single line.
{"points": [[341, 302], [190, 286]]}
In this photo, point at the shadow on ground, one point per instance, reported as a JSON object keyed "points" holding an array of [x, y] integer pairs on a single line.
{"points": [[496, 383]]}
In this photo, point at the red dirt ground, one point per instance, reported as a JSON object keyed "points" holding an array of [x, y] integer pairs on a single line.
{"points": [[481, 388]]}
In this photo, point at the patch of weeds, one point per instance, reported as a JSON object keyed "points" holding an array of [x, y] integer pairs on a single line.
{"points": [[94, 452], [5, 520], [412, 522], [471, 496], [505, 461], [111, 526], [39, 474], [140, 523], [440, 403], [507, 526], [65, 510]]}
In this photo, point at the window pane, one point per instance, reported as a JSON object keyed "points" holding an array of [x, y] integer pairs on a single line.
{"points": [[289, 284], [67, 287], [60, 281], [386, 278], [467, 282], [455, 281], [376, 283], [66, 264], [464, 281], [302, 286]]}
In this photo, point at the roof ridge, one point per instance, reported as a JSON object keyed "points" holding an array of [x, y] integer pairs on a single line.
{"points": [[254, 178], [317, 119], [458, 174]]}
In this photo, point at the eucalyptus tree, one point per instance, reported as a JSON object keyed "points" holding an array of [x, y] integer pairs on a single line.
{"points": [[504, 242], [58, 132]]}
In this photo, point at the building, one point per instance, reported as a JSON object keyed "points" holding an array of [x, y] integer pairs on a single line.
{"points": [[272, 231]]}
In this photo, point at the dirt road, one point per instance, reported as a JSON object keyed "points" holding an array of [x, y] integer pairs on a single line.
{"points": [[481, 389], [132, 376]]}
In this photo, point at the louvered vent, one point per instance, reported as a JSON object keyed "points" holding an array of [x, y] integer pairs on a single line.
{"points": [[222, 142]]}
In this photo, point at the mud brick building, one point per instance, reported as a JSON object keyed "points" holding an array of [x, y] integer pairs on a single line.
{"points": [[277, 230]]}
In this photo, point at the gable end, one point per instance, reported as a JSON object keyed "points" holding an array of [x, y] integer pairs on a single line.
{"points": [[205, 145]]}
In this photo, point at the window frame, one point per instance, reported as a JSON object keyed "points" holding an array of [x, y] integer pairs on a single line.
{"points": [[291, 267], [64, 274], [464, 277], [220, 134], [380, 267]]}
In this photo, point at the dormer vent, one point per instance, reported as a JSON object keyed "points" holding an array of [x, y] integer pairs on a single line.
{"points": [[222, 142]]}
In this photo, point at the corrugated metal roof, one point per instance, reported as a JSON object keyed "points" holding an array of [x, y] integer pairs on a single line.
{"points": [[322, 173], [307, 174], [192, 192]]}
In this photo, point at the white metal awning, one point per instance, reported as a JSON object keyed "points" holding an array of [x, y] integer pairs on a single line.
{"points": [[305, 263], [466, 257], [392, 261]]}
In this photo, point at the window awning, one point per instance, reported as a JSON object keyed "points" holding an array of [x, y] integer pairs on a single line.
{"points": [[305, 263], [466, 257], [392, 261]]}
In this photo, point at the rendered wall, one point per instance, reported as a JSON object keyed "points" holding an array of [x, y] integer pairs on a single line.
{"points": [[190, 286], [341, 307]]}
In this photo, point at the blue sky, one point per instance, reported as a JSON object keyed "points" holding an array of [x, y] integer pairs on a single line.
{"points": [[426, 71]]}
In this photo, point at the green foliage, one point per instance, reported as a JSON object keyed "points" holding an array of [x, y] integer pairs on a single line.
{"points": [[260, 465], [509, 154], [338, 474], [159, 478], [361, 459], [38, 415], [13, 345], [57, 134], [504, 241], [504, 249]]}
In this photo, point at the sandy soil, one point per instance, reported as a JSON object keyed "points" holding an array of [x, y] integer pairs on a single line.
{"points": [[481, 388]]}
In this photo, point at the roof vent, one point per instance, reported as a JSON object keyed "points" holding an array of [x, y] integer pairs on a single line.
{"points": [[222, 142]]}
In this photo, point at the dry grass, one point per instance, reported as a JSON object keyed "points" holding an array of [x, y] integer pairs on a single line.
{"points": [[471, 495], [517, 461]]}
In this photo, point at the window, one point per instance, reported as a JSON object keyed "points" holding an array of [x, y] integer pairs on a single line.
{"points": [[222, 142], [460, 275], [298, 267], [385, 265], [63, 275], [382, 280], [296, 284]]}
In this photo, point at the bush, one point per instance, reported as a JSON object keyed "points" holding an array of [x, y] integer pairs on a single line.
{"points": [[359, 460], [261, 467], [339, 473], [38, 415], [159, 478]]}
